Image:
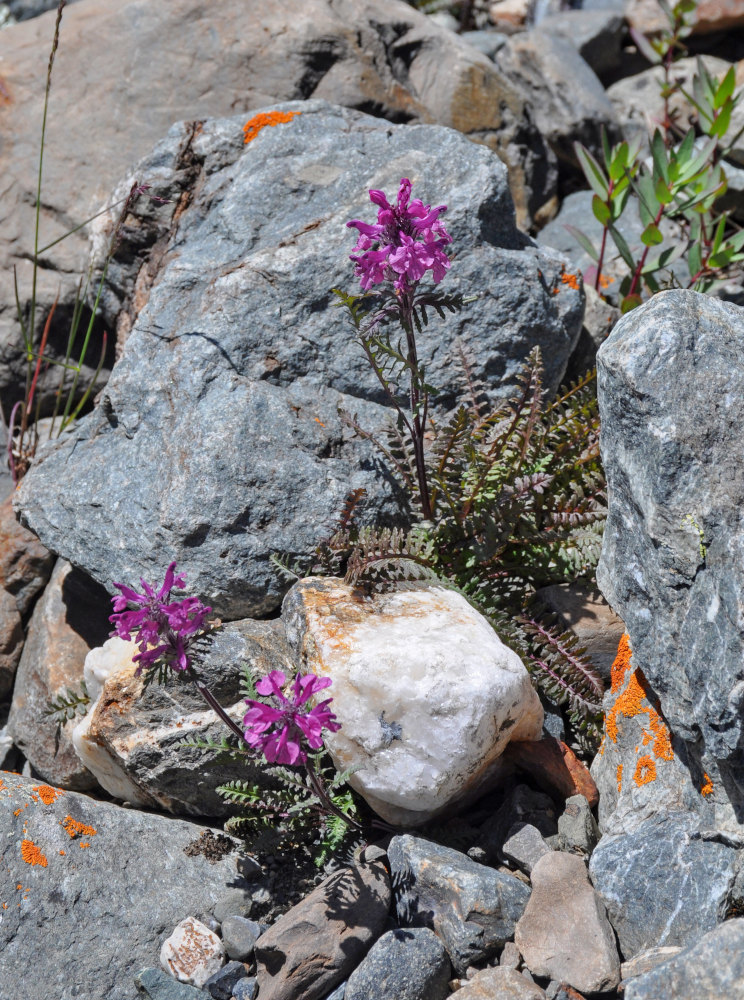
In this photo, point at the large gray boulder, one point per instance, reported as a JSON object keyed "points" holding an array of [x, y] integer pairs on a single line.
{"points": [[109, 884], [203, 60], [671, 394], [217, 440]]}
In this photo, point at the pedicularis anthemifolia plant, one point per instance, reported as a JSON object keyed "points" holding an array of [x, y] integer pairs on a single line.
{"points": [[681, 185]]}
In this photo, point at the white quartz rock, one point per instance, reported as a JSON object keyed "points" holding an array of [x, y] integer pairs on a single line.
{"points": [[192, 953], [426, 693], [112, 658]]}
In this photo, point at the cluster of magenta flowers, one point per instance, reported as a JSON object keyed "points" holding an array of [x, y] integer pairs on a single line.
{"points": [[162, 627], [407, 241], [282, 728], [284, 725]]}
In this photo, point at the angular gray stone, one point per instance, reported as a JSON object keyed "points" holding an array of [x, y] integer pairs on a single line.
{"points": [[671, 391], [709, 970], [213, 388], [158, 985], [596, 35], [380, 56], [664, 884], [25, 565], [236, 902], [132, 735], [86, 863], [404, 964], [564, 933], [246, 989], [315, 945], [239, 936], [577, 827], [473, 909], [523, 805], [220, 985], [566, 97], [525, 846], [70, 617]]}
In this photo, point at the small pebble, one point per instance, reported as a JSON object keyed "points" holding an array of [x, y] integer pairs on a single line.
{"points": [[192, 953], [239, 935], [236, 902], [510, 957], [221, 985]]}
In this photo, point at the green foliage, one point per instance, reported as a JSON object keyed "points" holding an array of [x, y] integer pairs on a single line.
{"points": [[682, 184], [517, 499], [285, 810], [66, 706]]}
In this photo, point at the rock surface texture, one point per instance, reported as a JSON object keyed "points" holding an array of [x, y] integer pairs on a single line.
{"points": [[711, 969], [316, 944], [671, 386], [564, 933], [71, 862], [131, 735], [426, 693], [404, 964], [472, 908], [205, 60], [238, 346]]}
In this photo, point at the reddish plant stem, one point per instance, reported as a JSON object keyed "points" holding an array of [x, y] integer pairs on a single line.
{"points": [[639, 267]]}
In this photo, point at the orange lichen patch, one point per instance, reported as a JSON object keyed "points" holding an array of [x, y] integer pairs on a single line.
{"points": [[707, 786], [662, 742], [572, 280], [17, 812], [318, 421], [2, 785], [619, 777], [32, 854], [621, 664], [62, 853], [259, 121], [604, 281], [75, 828], [645, 771], [47, 794], [84, 844], [19, 886]]}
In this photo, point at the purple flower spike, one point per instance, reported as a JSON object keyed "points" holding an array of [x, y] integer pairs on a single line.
{"points": [[407, 241], [162, 628], [281, 728]]}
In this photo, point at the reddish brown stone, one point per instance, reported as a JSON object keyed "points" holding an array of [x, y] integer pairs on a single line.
{"points": [[25, 565], [555, 767], [11, 642], [317, 944]]}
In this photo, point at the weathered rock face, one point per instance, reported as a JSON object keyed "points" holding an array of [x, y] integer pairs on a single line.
{"points": [[564, 933], [238, 346], [426, 693], [130, 737], [671, 385], [71, 862], [69, 619], [712, 968], [379, 56], [316, 944], [11, 642], [710, 15], [472, 908], [666, 883], [25, 565], [406, 964], [498, 982]]}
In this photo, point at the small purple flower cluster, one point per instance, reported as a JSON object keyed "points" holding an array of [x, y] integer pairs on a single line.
{"points": [[407, 241], [163, 628], [279, 729]]}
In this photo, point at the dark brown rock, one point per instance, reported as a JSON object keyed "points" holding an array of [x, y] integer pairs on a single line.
{"points": [[69, 619], [317, 944], [555, 767], [25, 565], [564, 933]]}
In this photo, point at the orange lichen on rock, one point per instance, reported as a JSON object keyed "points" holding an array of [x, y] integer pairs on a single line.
{"points": [[32, 854], [47, 794], [75, 828], [259, 121], [621, 664], [645, 771], [619, 777], [707, 788], [572, 280]]}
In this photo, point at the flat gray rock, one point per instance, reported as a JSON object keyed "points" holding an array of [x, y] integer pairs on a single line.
{"points": [[664, 884], [111, 882], [217, 441], [709, 970], [671, 396], [473, 909]]}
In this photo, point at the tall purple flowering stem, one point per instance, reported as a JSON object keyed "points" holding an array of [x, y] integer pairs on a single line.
{"points": [[407, 240]]}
